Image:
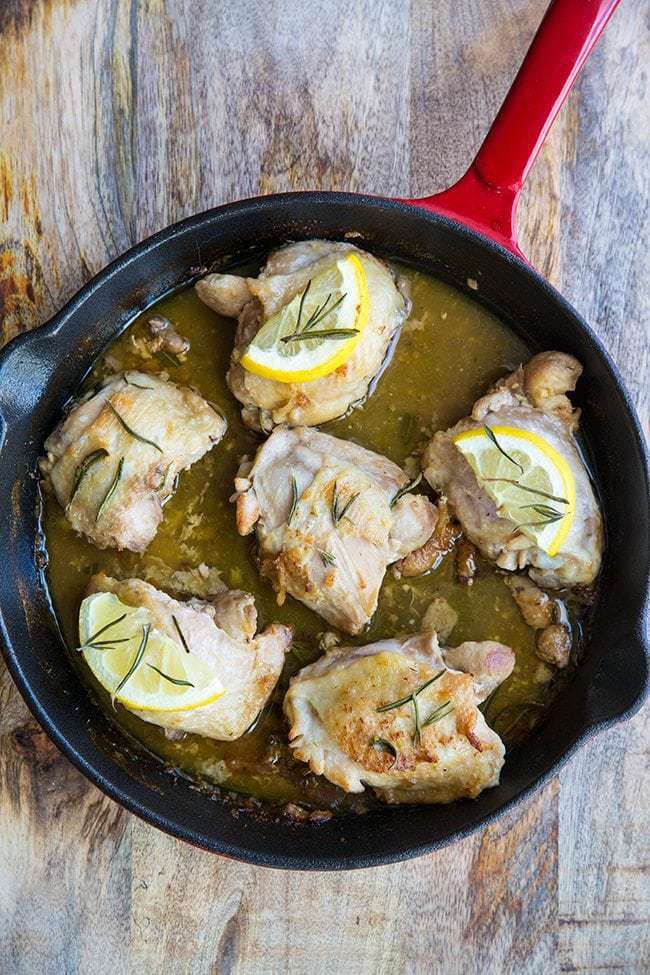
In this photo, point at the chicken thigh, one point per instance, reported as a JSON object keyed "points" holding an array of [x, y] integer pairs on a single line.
{"points": [[287, 272], [113, 461], [533, 400], [329, 516], [401, 716], [222, 633]]}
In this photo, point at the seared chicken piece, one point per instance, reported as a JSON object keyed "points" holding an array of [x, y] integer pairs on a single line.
{"points": [[114, 459], [220, 632], [394, 715], [165, 338], [329, 520], [532, 398], [544, 614], [267, 402], [446, 535]]}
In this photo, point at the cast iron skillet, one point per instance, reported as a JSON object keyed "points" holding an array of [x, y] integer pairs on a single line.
{"points": [[464, 233]]}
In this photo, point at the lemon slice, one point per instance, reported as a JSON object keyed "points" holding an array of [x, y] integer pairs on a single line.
{"points": [[335, 301], [117, 639], [528, 480]]}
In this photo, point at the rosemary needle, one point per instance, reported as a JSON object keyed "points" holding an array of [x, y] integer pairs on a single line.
{"points": [[490, 433], [413, 699], [136, 661], [438, 714], [326, 333], [107, 626], [522, 487], [130, 430], [180, 633], [407, 487], [172, 680], [111, 491], [326, 557], [89, 461], [294, 499], [339, 511]]}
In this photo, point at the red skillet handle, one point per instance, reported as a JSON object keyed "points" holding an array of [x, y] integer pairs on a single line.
{"points": [[485, 198]]}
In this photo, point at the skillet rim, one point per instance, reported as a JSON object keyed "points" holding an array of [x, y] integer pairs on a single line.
{"points": [[120, 792]]}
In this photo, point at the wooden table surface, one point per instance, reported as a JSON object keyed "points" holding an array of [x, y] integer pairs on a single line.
{"points": [[120, 117]]}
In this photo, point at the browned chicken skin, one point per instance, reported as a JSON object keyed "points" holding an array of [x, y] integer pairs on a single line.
{"points": [[352, 719], [329, 517], [114, 459]]}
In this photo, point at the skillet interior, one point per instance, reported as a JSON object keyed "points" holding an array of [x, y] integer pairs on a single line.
{"points": [[42, 369]]}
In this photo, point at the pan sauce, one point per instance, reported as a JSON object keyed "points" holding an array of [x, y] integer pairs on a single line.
{"points": [[450, 350]]}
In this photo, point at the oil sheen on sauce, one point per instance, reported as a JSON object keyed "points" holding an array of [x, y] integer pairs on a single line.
{"points": [[450, 350]]}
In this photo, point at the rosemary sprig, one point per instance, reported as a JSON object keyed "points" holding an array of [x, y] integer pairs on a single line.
{"points": [[129, 382], [168, 358], [490, 433], [412, 699], [136, 661], [326, 557], [326, 333], [339, 511], [385, 746], [549, 515], [407, 487], [438, 714], [546, 510], [172, 680], [300, 306], [91, 639], [294, 500], [89, 461], [130, 430], [317, 315], [522, 487], [180, 633], [111, 491], [103, 644], [322, 312]]}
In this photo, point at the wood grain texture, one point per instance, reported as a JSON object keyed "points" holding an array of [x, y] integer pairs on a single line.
{"points": [[120, 117]]}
